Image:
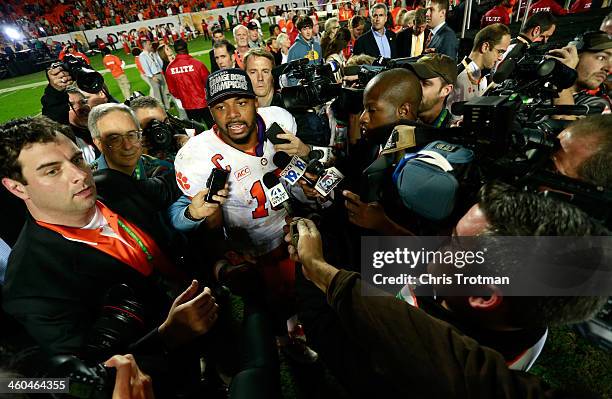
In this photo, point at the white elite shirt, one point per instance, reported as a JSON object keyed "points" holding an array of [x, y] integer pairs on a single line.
{"points": [[247, 209]]}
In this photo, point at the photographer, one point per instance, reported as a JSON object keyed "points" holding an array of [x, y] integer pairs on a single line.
{"points": [[148, 109], [117, 134], [593, 65], [77, 246], [585, 150]]}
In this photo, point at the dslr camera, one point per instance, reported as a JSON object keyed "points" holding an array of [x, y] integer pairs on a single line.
{"points": [[86, 78]]}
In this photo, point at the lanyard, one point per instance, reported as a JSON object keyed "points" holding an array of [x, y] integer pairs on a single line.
{"points": [[136, 238], [441, 118]]}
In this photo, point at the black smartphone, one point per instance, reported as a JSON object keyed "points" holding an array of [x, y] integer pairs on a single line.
{"points": [[216, 181], [272, 134]]}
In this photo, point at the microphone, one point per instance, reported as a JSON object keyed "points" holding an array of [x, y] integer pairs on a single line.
{"points": [[276, 193], [292, 168]]}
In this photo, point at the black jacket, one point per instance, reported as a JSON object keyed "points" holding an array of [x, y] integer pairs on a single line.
{"points": [[55, 287], [366, 44], [445, 42], [404, 42]]}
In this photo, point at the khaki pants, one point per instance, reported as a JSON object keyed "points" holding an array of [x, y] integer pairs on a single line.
{"points": [[124, 86]]}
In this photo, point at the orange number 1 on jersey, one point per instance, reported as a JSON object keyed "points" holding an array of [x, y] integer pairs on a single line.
{"points": [[258, 193]]}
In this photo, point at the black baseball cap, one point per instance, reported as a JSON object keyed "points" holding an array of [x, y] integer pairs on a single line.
{"points": [[226, 83], [252, 25]]}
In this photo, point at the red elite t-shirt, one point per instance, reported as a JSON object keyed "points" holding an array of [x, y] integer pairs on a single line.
{"points": [[547, 5], [186, 78], [497, 14], [581, 6]]}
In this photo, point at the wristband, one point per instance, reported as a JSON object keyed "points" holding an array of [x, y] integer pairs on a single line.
{"points": [[190, 217]]}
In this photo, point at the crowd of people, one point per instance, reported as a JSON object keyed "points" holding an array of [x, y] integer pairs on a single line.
{"points": [[39, 19], [128, 228]]}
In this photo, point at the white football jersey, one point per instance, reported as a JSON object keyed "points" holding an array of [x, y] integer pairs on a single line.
{"points": [[247, 209]]}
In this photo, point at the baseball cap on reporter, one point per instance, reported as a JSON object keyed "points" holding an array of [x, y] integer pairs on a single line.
{"points": [[593, 41], [435, 66], [226, 83]]}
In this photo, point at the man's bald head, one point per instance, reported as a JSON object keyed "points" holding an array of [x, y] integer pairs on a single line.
{"points": [[388, 98], [397, 86]]}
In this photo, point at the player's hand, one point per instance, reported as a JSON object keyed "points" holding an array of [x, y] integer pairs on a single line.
{"points": [[294, 147], [130, 382], [201, 209], [59, 79], [567, 55], [367, 215], [190, 316]]}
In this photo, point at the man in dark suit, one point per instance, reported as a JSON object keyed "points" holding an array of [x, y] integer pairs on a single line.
{"points": [[442, 39], [378, 41], [76, 245], [411, 41]]}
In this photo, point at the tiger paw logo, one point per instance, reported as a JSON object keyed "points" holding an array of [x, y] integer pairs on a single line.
{"points": [[312, 55], [182, 181]]}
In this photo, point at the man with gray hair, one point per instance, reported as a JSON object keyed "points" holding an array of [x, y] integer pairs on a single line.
{"points": [[378, 42], [241, 37], [116, 133]]}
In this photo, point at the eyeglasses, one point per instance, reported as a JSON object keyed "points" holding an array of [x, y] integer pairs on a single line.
{"points": [[116, 140]]}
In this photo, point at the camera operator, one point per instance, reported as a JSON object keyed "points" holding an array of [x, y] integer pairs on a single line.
{"points": [[305, 46], [77, 246], [585, 151], [438, 75], [538, 28], [593, 65], [391, 96], [489, 46], [117, 134]]}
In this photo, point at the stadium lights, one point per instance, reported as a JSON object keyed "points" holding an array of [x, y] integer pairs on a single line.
{"points": [[12, 33]]}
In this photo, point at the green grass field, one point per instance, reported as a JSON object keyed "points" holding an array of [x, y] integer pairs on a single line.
{"points": [[568, 361], [26, 101]]}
